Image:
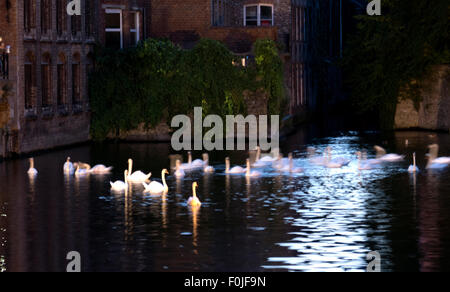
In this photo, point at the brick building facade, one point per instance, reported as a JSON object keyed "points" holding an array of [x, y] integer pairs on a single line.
{"points": [[44, 99], [294, 24], [46, 103]]}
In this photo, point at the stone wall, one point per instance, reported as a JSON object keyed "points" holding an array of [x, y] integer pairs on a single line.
{"points": [[434, 110], [256, 103]]}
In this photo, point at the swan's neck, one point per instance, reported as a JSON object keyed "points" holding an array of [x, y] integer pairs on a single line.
{"points": [[258, 154], [414, 160], [31, 163], [130, 167], [194, 191], [248, 167], [291, 164], [227, 166], [163, 176], [190, 158]]}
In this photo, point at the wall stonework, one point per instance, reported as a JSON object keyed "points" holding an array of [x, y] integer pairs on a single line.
{"points": [[434, 110]]}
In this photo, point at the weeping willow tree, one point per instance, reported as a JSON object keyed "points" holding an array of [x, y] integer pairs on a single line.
{"points": [[393, 52]]}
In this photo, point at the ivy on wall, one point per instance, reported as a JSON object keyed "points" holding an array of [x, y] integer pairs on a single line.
{"points": [[157, 80]]}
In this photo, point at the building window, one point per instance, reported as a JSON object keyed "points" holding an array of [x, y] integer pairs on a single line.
{"points": [[28, 15], [219, 10], [76, 80], [113, 29], [258, 15], [61, 23], [89, 18], [46, 81], [134, 28], [75, 21], [61, 81], [46, 17], [29, 69]]}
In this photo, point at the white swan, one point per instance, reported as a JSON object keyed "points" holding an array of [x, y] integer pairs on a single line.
{"points": [[207, 168], [280, 163], [435, 162], [194, 201], [32, 171], [68, 167], [262, 162], [290, 167], [234, 170], [413, 168], [81, 171], [316, 159], [336, 162], [138, 176], [381, 155], [100, 169], [363, 165], [198, 163], [82, 165], [120, 186], [192, 165], [250, 172], [179, 173], [156, 187]]}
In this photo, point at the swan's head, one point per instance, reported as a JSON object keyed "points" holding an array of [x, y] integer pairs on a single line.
{"points": [[165, 171], [195, 185], [205, 157], [68, 159]]}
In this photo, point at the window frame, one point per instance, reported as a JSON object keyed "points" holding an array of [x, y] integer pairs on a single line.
{"points": [[137, 30], [120, 12], [258, 13]]}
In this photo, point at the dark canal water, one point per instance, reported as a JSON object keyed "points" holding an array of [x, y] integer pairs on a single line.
{"points": [[320, 220]]}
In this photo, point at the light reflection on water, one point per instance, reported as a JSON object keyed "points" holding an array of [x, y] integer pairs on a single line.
{"points": [[320, 220]]}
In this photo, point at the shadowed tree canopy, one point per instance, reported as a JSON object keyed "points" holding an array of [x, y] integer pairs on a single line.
{"points": [[390, 54]]}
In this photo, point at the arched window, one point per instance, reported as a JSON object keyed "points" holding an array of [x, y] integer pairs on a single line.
{"points": [[29, 80], [61, 81], [29, 21], [76, 79], [61, 21], [46, 17], [46, 80]]}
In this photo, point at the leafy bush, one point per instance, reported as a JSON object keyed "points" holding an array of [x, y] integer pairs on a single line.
{"points": [[158, 80]]}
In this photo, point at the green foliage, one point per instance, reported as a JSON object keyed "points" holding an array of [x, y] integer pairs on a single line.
{"points": [[158, 80], [270, 68], [392, 53]]}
